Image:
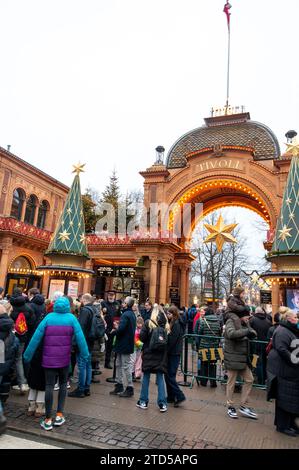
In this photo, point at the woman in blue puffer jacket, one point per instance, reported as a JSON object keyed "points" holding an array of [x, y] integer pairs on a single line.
{"points": [[57, 330]]}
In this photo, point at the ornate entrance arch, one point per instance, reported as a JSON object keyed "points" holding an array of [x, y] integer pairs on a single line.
{"points": [[231, 160]]}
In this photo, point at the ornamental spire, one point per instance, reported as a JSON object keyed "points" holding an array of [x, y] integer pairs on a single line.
{"points": [[69, 236], [287, 230]]}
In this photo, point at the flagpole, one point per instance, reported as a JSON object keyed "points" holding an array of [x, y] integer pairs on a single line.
{"points": [[228, 69]]}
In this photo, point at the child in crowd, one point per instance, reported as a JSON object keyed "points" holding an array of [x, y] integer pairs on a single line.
{"points": [[137, 370]]}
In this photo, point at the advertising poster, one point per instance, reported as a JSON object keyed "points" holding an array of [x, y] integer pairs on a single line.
{"points": [[73, 289], [56, 285], [293, 299]]}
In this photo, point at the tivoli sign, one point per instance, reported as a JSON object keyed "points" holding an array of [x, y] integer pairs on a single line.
{"points": [[219, 164]]}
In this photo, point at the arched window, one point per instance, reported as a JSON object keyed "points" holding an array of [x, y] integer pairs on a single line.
{"points": [[42, 214], [30, 209], [17, 203]]}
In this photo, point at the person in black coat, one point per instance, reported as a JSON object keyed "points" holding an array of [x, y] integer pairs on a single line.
{"points": [[19, 305], [36, 379], [174, 350], [273, 327], [261, 324], [124, 333], [283, 374], [37, 304], [146, 312], [154, 361], [84, 366], [111, 310], [10, 347]]}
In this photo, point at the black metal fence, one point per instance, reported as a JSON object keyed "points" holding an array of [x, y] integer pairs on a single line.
{"points": [[202, 360]]}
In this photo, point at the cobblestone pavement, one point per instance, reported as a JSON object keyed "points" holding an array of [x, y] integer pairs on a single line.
{"points": [[105, 421]]}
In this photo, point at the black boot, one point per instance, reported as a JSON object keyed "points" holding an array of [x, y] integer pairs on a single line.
{"points": [[77, 393], [117, 389], [2, 424], [129, 392]]}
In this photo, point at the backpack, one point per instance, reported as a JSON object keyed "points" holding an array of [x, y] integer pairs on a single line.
{"points": [[97, 327], [158, 341], [21, 324]]}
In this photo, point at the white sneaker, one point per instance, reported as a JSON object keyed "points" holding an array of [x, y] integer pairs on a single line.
{"points": [[163, 408], [16, 387], [23, 389], [68, 385], [56, 387], [248, 412], [232, 413]]}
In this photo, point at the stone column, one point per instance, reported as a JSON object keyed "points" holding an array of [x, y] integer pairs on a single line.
{"points": [[183, 286], [163, 282], [187, 287], [87, 281], [169, 279], [35, 215], [6, 244], [275, 298], [23, 210], [153, 279]]}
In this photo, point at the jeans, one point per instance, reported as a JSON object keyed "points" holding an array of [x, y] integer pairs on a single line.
{"points": [[160, 384], [20, 366], [124, 369], [51, 375], [85, 373], [173, 390]]}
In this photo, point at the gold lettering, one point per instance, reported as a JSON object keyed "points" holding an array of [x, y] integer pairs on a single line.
{"points": [[204, 354], [254, 361], [213, 356], [237, 165], [220, 352]]}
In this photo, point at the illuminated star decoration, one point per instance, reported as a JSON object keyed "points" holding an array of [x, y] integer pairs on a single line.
{"points": [[69, 210], [284, 233], [293, 149], [79, 168], [83, 238], [63, 236], [220, 233], [254, 278]]}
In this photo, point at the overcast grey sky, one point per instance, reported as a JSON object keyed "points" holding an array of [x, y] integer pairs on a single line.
{"points": [[106, 81]]}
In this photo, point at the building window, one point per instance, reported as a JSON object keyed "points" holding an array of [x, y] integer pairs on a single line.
{"points": [[42, 214], [17, 203], [30, 210]]}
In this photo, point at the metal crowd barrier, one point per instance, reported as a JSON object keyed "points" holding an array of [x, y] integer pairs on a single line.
{"points": [[202, 360]]}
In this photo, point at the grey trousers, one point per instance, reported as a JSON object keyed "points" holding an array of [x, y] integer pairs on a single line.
{"points": [[19, 365], [124, 370]]}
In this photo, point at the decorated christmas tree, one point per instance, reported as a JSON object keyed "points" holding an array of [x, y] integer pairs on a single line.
{"points": [[287, 230], [69, 236]]}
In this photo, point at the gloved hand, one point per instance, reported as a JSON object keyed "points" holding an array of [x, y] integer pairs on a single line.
{"points": [[251, 334]]}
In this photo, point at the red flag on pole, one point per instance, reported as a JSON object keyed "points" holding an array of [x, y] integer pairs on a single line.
{"points": [[226, 9]]}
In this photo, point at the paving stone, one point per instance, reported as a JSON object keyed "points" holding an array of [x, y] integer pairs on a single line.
{"points": [[112, 442]]}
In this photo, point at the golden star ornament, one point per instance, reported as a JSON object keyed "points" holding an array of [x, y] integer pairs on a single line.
{"points": [[220, 233], [83, 238], [284, 233], [63, 236], [293, 149], [79, 168]]}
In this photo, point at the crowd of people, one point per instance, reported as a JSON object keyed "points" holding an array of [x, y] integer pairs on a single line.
{"points": [[46, 341]]}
